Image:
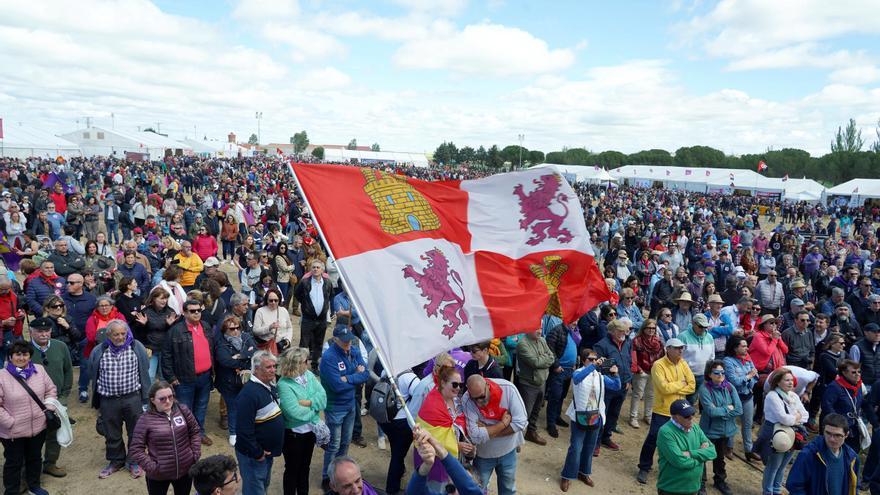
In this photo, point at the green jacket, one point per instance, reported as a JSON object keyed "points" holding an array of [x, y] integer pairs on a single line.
{"points": [[290, 392], [717, 420], [680, 473], [58, 365], [533, 360]]}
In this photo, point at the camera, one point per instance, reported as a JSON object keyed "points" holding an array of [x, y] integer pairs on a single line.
{"points": [[605, 367]]}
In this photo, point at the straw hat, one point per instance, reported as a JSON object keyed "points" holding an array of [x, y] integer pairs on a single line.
{"points": [[783, 438], [685, 296], [766, 318], [715, 298], [798, 283]]}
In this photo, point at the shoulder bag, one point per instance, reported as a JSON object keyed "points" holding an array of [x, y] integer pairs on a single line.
{"points": [[53, 422], [590, 418]]}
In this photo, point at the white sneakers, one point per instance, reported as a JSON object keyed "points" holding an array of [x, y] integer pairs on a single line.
{"points": [[382, 444]]}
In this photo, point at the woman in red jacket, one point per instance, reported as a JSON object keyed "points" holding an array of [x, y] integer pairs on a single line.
{"points": [[768, 352], [204, 245], [647, 348], [166, 442], [103, 314]]}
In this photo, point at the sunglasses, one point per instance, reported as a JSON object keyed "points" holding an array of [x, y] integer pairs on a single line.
{"points": [[271, 300], [456, 385], [193, 311], [165, 398], [56, 306], [592, 358], [718, 372], [234, 328]]}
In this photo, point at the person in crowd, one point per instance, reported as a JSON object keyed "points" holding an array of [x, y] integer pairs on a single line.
{"points": [[314, 294], [430, 450], [273, 330], [866, 351], [64, 260], [283, 270], [216, 475], [170, 283], [560, 341], [847, 324], [683, 451], [233, 350], [128, 300], [683, 311], [826, 465], [190, 264], [770, 294], [672, 379], [151, 325], [627, 307], [187, 362], [482, 363], [496, 419], [844, 396], [346, 478], [11, 316], [699, 349], [648, 348], [767, 349], [740, 372], [23, 425], [666, 328], [259, 425], [342, 369], [64, 328], [587, 414], [131, 268], [166, 442], [119, 373], [302, 400], [204, 244], [54, 355], [800, 341], [720, 406], [781, 405], [45, 284], [397, 430], [96, 325], [534, 359]]}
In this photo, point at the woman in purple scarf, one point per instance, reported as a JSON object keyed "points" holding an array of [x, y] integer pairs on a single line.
{"points": [[721, 406], [22, 421]]}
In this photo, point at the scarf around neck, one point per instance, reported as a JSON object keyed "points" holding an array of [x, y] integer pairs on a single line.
{"points": [[236, 341], [493, 409], [852, 389], [116, 349], [24, 373]]}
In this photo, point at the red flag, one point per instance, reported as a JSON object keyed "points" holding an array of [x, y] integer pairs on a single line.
{"points": [[762, 166], [785, 178], [458, 262], [279, 151], [1, 128]]}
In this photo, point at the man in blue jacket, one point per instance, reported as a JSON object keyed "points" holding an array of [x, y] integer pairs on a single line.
{"points": [[826, 466], [341, 372], [259, 426]]}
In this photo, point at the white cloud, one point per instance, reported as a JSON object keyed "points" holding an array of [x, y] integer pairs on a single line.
{"points": [[756, 34], [305, 43], [324, 79], [484, 49], [435, 7], [858, 75], [257, 10]]}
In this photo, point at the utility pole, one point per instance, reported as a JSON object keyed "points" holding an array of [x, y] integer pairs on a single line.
{"points": [[259, 117], [113, 119], [88, 122], [521, 137], [158, 127]]}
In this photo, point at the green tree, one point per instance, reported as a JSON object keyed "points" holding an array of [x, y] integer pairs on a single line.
{"points": [[446, 153], [253, 139], [375, 147], [300, 142], [611, 159], [536, 157], [876, 146], [698, 156], [353, 144], [650, 157], [579, 156], [481, 156], [513, 153], [557, 157], [466, 155], [318, 152], [493, 157], [849, 139]]}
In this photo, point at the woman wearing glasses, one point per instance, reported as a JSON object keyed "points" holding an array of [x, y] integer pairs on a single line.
{"points": [[647, 348], [166, 442], [721, 406], [64, 330], [232, 358], [273, 330]]}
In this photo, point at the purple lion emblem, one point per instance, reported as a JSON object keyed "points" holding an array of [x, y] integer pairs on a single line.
{"points": [[537, 215], [436, 283]]}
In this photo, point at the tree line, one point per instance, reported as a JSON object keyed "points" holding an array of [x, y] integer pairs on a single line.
{"points": [[846, 160]]}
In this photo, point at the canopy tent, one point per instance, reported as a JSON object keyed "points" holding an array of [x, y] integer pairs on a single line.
{"points": [[808, 196], [98, 141], [695, 179], [23, 141], [403, 158], [855, 191], [583, 173], [204, 147]]}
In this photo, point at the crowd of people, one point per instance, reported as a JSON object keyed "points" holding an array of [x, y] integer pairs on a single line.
{"points": [[140, 287]]}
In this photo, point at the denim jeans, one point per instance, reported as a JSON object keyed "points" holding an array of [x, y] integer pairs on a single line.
{"points": [[774, 471], [579, 458], [231, 409], [694, 398], [557, 388], [400, 436], [505, 471], [646, 457], [154, 365], [642, 388], [613, 405], [83, 368], [8, 338], [255, 475], [871, 468], [113, 231], [746, 421], [340, 436], [195, 395]]}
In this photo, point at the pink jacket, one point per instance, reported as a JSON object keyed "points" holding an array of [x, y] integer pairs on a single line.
{"points": [[20, 416]]}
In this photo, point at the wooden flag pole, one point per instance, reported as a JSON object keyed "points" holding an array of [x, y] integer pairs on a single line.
{"points": [[380, 353]]}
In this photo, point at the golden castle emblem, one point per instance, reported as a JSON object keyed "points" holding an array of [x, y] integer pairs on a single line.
{"points": [[551, 274], [401, 207]]}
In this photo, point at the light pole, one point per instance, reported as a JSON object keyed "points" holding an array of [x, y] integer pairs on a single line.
{"points": [[259, 117], [521, 137]]}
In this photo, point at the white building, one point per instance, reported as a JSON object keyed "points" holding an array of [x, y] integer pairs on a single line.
{"points": [[22, 141], [99, 141]]}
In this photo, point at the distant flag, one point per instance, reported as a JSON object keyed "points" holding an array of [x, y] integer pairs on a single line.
{"points": [[1, 128], [731, 177], [596, 168], [762, 166], [708, 173], [9, 255], [651, 170], [279, 151], [785, 178], [856, 190], [687, 172], [668, 173], [54, 178]]}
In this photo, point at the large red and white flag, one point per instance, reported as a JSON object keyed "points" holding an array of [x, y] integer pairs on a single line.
{"points": [[438, 265], [762, 166]]}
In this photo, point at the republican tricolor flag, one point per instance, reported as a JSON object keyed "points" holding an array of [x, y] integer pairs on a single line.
{"points": [[762, 166], [438, 265]]}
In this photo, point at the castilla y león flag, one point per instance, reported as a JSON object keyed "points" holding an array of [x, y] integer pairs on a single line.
{"points": [[438, 265]]}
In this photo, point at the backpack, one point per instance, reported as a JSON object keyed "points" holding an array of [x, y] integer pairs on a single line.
{"points": [[384, 406]]}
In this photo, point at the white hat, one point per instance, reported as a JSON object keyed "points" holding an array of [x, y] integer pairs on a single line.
{"points": [[783, 438], [212, 261]]}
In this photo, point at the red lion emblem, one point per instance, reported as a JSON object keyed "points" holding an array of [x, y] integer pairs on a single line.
{"points": [[442, 298], [535, 208]]}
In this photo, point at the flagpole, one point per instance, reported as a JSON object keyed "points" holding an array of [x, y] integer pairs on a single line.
{"points": [[380, 353]]}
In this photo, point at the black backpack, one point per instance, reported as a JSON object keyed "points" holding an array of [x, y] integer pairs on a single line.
{"points": [[384, 406]]}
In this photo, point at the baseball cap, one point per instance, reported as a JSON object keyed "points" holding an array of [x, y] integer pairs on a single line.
{"points": [[673, 342], [797, 302], [681, 407], [41, 323], [343, 333], [870, 327], [700, 319], [212, 261]]}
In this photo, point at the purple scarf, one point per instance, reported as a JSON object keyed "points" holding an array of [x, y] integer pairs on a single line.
{"points": [[725, 385], [116, 349], [25, 373], [369, 490]]}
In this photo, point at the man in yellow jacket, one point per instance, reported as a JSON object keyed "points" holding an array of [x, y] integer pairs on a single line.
{"points": [[673, 380], [190, 263]]}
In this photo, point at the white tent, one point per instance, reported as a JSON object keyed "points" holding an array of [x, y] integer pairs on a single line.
{"points": [[344, 155], [855, 191], [204, 147], [583, 173], [808, 196], [99, 141], [697, 179], [22, 141]]}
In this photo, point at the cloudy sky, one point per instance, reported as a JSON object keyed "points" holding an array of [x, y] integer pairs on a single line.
{"points": [[739, 75]]}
